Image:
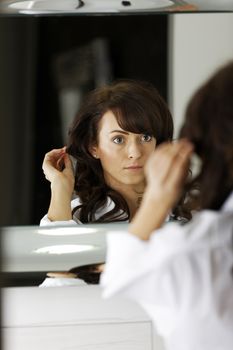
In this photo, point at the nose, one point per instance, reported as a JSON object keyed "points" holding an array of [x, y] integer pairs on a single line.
{"points": [[134, 150]]}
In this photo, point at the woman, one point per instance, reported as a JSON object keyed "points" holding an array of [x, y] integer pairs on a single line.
{"points": [[112, 136], [182, 274]]}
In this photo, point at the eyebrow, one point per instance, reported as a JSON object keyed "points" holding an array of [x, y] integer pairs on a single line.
{"points": [[119, 131]]}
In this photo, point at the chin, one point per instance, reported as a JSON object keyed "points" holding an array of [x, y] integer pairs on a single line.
{"points": [[134, 181]]}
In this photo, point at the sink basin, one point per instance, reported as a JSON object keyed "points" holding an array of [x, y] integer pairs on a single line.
{"points": [[88, 6]]}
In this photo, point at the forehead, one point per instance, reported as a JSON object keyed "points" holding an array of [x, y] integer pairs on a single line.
{"points": [[108, 122]]}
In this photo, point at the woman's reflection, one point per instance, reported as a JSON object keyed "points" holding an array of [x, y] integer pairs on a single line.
{"points": [[86, 274], [89, 274], [113, 134]]}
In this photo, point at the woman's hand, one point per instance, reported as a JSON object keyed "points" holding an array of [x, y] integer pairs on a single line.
{"points": [[166, 172], [58, 170]]}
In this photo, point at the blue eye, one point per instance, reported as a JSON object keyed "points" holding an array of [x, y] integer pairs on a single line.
{"points": [[118, 140], [146, 138]]}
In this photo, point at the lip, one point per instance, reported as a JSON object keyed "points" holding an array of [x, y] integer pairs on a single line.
{"points": [[133, 167]]}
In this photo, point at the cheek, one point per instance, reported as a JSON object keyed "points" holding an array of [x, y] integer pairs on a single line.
{"points": [[150, 149], [109, 161], [108, 152]]}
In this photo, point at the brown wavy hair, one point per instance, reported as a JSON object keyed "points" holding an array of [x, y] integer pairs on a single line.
{"points": [[138, 108], [209, 126]]}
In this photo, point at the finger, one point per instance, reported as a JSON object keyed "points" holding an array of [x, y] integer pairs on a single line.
{"points": [[54, 154], [157, 155], [160, 161], [164, 158], [67, 162], [60, 163], [57, 150], [181, 152], [179, 165]]}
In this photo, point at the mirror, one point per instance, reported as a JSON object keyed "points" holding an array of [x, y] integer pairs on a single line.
{"points": [[40, 56], [57, 62], [39, 95]]}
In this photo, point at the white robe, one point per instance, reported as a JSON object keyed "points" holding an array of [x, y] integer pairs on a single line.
{"points": [[74, 203], [45, 221], [182, 276]]}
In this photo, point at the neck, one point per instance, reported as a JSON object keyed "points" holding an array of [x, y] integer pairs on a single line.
{"points": [[132, 194], [134, 202]]}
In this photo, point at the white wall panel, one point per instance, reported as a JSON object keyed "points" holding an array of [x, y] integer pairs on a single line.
{"points": [[198, 45]]}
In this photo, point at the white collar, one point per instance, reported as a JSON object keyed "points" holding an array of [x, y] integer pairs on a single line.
{"points": [[228, 204]]}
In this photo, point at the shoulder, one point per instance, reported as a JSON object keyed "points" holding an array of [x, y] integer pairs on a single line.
{"points": [[204, 225], [175, 244], [76, 201], [176, 259], [196, 248], [180, 268], [107, 207]]}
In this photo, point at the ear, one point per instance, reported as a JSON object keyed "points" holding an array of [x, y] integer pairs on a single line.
{"points": [[94, 151]]}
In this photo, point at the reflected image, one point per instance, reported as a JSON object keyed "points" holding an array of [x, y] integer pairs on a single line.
{"points": [[114, 133], [57, 65], [90, 274]]}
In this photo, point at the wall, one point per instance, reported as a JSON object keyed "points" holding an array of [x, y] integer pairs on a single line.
{"points": [[198, 44]]}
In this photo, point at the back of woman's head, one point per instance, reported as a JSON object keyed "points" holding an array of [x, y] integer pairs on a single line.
{"points": [[138, 108], [209, 126]]}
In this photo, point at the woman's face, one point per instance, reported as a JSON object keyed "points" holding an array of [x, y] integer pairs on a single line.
{"points": [[122, 154]]}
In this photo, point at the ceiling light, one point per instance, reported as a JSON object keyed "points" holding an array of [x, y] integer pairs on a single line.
{"points": [[64, 249], [88, 6], [66, 231]]}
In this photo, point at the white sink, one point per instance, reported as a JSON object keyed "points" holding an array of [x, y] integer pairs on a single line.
{"points": [[89, 6]]}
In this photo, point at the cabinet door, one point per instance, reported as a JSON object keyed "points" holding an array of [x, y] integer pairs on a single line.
{"points": [[115, 336]]}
